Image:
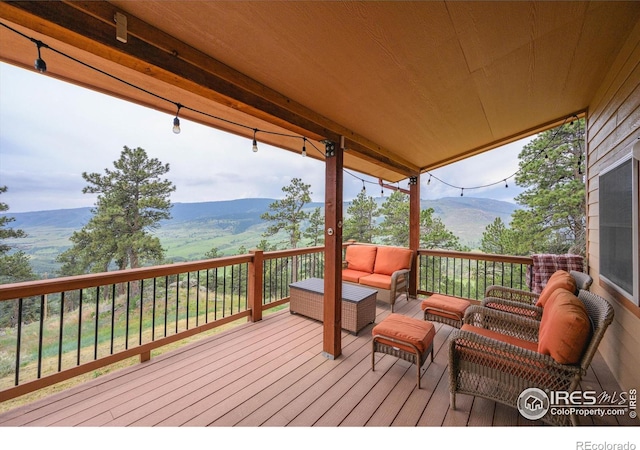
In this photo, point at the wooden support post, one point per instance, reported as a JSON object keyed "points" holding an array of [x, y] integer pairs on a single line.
{"points": [[145, 356], [332, 345], [255, 285], [414, 232]]}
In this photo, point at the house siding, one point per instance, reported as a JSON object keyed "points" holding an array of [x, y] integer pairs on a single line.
{"points": [[613, 124]]}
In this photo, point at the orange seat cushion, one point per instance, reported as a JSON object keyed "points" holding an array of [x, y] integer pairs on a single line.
{"points": [[560, 279], [390, 259], [353, 275], [376, 280], [533, 346], [565, 328], [454, 305], [361, 257], [405, 329]]}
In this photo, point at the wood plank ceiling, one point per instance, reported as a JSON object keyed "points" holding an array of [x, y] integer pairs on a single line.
{"points": [[411, 86]]}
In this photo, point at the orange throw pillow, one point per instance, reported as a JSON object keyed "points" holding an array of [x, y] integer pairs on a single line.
{"points": [[565, 328], [390, 259], [560, 279], [361, 257]]}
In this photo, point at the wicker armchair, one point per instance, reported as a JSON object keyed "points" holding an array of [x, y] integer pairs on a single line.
{"points": [[521, 302], [501, 371]]}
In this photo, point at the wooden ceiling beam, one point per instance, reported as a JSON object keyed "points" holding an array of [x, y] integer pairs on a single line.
{"points": [[90, 26]]}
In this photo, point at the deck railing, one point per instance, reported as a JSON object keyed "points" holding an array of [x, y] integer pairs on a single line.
{"points": [[463, 274], [64, 327]]}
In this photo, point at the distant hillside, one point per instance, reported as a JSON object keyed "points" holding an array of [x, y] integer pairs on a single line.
{"points": [[196, 228], [467, 217]]}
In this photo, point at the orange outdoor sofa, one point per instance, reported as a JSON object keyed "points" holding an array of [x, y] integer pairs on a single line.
{"points": [[381, 267]]}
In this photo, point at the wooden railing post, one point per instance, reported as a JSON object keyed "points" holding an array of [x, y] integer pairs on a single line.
{"points": [[256, 268], [414, 232]]}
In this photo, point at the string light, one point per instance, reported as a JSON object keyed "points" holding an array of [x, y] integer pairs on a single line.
{"points": [[364, 188], [176, 121], [40, 65], [255, 143]]}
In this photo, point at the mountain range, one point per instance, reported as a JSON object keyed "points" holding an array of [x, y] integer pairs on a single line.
{"points": [[196, 228]]}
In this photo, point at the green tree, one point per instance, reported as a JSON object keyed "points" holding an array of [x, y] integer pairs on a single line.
{"points": [[266, 246], [5, 231], [288, 214], [394, 228], [434, 233], [360, 224], [132, 200], [213, 253], [14, 267], [315, 231], [551, 170], [497, 239]]}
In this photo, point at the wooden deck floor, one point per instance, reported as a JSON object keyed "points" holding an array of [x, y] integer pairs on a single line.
{"points": [[273, 373]]}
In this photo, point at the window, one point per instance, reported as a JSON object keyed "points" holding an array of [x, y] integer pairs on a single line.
{"points": [[619, 234]]}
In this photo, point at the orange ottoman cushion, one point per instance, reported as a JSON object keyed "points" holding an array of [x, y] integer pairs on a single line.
{"points": [[405, 329], [454, 306]]}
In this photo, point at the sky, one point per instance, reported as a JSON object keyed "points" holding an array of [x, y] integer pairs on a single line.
{"points": [[52, 131]]}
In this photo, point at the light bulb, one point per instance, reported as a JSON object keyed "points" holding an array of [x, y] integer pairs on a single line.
{"points": [[176, 125], [255, 143], [40, 65]]}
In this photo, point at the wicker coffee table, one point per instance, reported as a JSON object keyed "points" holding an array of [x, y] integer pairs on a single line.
{"points": [[358, 303]]}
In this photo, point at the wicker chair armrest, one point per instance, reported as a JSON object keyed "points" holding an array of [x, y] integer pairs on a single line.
{"points": [[398, 279], [516, 295], [345, 264], [514, 307], [467, 345], [399, 275], [506, 323]]}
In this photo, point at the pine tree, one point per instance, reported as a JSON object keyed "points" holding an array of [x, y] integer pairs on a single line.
{"points": [[132, 200], [315, 231], [360, 224], [394, 228], [14, 267], [288, 214], [553, 219], [497, 239], [434, 233]]}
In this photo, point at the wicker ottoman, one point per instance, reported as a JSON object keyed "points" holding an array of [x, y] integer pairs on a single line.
{"points": [[358, 303], [445, 309], [403, 337]]}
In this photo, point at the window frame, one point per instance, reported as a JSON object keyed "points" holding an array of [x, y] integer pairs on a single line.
{"points": [[632, 155]]}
